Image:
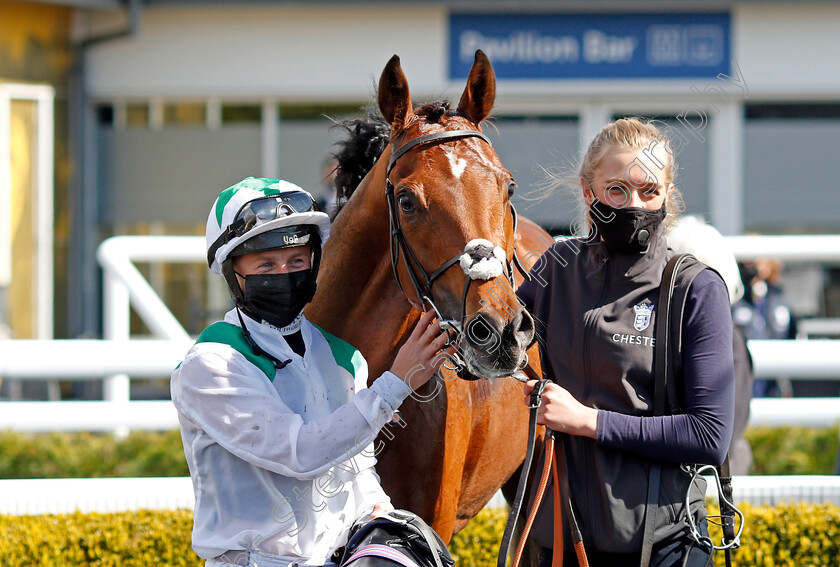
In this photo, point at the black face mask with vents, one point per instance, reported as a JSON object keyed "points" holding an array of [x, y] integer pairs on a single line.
{"points": [[278, 298], [627, 230]]}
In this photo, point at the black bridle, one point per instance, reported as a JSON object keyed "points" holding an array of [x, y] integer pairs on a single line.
{"points": [[421, 280]]}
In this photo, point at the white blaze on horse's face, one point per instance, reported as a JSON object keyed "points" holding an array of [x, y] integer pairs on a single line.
{"points": [[458, 165]]}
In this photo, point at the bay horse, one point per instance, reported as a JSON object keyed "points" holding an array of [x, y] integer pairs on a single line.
{"points": [[436, 186]]}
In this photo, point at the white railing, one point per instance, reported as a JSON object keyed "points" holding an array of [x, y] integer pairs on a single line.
{"points": [[153, 358], [28, 497], [118, 417], [798, 248], [90, 359], [154, 415], [118, 356], [124, 286]]}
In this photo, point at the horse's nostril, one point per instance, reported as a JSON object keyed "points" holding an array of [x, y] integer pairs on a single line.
{"points": [[526, 326], [481, 334]]}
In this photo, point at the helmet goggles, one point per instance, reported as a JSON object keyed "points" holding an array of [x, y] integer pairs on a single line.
{"points": [[258, 212]]}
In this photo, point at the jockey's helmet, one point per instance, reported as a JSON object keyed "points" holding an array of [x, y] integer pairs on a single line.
{"points": [[261, 213]]}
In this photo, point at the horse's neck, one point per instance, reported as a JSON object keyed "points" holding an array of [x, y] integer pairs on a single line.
{"points": [[358, 298]]}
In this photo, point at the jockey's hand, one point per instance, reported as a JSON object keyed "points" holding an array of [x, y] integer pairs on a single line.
{"points": [[561, 412], [423, 353], [381, 508]]}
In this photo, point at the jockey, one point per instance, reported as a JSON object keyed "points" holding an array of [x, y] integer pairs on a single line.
{"points": [[275, 413]]}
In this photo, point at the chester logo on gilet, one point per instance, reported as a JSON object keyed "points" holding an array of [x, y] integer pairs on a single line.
{"points": [[643, 313]]}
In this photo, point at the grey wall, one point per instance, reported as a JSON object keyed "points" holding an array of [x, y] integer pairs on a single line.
{"points": [[791, 174], [305, 148], [528, 147], [174, 174]]}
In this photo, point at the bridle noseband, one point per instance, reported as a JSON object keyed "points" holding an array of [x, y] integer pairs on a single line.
{"points": [[421, 280]]}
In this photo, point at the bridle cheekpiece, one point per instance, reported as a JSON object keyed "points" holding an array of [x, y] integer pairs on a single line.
{"points": [[471, 259]]}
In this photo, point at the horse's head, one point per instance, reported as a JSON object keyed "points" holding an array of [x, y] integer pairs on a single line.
{"points": [[452, 223]]}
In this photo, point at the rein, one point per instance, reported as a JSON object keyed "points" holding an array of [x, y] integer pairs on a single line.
{"points": [[554, 466], [421, 280]]}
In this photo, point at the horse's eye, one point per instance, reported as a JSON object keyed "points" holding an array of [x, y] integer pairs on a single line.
{"points": [[511, 188], [405, 203]]}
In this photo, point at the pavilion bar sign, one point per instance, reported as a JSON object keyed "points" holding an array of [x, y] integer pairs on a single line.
{"points": [[592, 46]]}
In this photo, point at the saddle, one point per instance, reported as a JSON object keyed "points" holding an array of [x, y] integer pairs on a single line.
{"points": [[396, 538]]}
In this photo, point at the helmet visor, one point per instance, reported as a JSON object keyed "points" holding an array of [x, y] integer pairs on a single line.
{"points": [[260, 211]]}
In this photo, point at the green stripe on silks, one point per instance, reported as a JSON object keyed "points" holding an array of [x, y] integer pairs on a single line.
{"points": [[231, 335], [260, 184], [346, 355]]}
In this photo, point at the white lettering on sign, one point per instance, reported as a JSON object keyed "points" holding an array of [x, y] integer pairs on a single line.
{"points": [[521, 47], [599, 47]]}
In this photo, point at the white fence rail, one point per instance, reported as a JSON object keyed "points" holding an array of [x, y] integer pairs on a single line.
{"points": [[118, 357], [120, 417], [88, 359], [810, 248], [42, 417], [29, 497]]}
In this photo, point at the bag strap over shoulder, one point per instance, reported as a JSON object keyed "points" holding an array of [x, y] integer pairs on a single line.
{"points": [[678, 274], [677, 277]]}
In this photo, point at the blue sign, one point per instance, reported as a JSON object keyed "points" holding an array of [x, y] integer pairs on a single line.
{"points": [[592, 46]]}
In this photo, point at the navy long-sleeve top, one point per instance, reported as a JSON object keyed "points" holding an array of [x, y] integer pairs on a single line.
{"points": [[583, 304], [703, 432]]}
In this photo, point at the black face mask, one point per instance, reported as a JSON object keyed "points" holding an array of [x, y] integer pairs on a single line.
{"points": [[278, 298], [627, 230]]}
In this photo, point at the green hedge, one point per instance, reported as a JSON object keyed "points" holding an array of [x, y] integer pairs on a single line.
{"points": [[90, 455], [783, 536], [778, 450], [793, 450], [135, 539], [478, 543], [790, 536]]}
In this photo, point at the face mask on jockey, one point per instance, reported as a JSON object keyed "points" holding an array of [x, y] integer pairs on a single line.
{"points": [[275, 298], [627, 230], [278, 298]]}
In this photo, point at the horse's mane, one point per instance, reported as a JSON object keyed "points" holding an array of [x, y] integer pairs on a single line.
{"points": [[365, 140]]}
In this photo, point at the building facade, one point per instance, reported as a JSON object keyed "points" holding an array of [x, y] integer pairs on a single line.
{"points": [[178, 100]]}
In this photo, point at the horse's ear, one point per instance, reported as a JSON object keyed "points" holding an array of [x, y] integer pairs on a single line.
{"points": [[394, 100], [480, 92]]}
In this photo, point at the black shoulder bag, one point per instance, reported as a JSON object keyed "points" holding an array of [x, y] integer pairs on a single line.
{"points": [[679, 272]]}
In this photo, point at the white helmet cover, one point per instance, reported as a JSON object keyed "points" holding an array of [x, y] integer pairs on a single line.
{"points": [[230, 202]]}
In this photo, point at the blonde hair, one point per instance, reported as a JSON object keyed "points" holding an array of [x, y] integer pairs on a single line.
{"points": [[632, 134]]}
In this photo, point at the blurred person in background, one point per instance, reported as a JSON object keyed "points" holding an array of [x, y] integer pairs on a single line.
{"points": [[763, 314], [276, 417], [692, 235]]}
